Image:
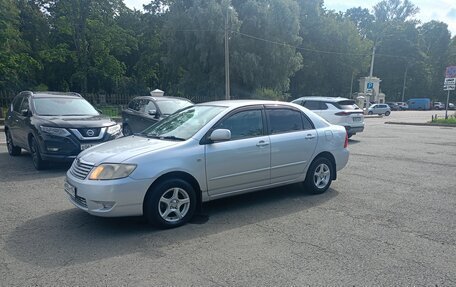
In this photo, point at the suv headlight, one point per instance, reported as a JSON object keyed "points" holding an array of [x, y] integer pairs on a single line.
{"points": [[113, 130], [60, 132], [107, 171]]}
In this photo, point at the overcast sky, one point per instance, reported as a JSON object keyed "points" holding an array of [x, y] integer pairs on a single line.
{"points": [[439, 10]]}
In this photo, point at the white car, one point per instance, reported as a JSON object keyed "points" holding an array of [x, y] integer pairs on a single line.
{"points": [[379, 109], [338, 111], [205, 152]]}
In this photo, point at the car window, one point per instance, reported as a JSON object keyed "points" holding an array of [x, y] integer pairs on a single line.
{"points": [[244, 124], [149, 107], [25, 104], [346, 105], [284, 120], [134, 105], [17, 104], [142, 104], [312, 105]]}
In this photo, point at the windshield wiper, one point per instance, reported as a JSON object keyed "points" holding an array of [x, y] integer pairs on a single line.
{"points": [[155, 136]]}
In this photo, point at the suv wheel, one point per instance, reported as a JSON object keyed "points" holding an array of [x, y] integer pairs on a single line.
{"points": [[126, 130], [12, 149], [370, 113], [38, 162], [387, 113]]}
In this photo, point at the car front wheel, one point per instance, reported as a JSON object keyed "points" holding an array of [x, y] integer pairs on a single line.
{"points": [[126, 130], [171, 203], [387, 113], [319, 176], [370, 113], [38, 162], [12, 149]]}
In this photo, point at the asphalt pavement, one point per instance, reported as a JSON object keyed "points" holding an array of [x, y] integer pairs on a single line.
{"points": [[388, 220]]}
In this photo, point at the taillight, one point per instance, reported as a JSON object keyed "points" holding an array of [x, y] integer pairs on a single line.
{"points": [[342, 114], [346, 140]]}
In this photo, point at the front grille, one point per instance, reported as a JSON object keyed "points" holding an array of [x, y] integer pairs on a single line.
{"points": [[80, 201], [89, 132], [80, 169]]}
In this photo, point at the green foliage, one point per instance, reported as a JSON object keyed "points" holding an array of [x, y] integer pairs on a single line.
{"points": [[270, 94]]}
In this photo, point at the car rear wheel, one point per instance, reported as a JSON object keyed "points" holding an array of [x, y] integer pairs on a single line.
{"points": [[171, 203], [387, 113], [319, 176], [12, 149], [126, 130], [38, 161]]}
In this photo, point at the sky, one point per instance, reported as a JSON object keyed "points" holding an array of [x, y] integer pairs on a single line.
{"points": [[439, 10]]}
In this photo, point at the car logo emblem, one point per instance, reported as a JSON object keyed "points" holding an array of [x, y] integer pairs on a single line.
{"points": [[90, 133]]}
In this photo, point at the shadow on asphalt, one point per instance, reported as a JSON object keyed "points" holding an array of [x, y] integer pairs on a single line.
{"points": [[352, 141], [20, 168], [73, 237]]}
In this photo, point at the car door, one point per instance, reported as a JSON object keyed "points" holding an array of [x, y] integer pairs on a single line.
{"points": [[129, 115], [23, 122], [13, 119], [147, 118], [243, 162], [293, 141]]}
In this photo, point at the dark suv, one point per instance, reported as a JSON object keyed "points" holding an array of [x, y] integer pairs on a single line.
{"points": [[55, 126], [142, 112]]}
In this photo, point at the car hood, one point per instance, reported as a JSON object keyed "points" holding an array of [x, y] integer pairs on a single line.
{"points": [[122, 149], [77, 121]]}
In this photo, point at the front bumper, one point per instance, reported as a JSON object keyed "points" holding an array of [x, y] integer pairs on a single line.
{"points": [[109, 198]]}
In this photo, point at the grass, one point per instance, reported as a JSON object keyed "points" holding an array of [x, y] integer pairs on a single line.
{"points": [[450, 121]]}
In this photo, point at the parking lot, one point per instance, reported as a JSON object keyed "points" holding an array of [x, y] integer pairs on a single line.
{"points": [[389, 219]]}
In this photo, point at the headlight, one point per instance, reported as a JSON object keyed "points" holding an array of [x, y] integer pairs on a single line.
{"points": [[115, 129], [111, 171], [60, 132]]}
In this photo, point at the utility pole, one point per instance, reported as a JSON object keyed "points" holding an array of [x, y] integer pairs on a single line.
{"points": [[403, 86], [372, 63], [227, 59]]}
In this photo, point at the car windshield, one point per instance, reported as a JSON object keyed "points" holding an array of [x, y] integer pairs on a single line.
{"points": [[168, 107], [347, 105], [63, 107], [184, 124]]}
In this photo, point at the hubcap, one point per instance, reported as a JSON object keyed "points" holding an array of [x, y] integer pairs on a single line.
{"points": [[174, 204], [322, 175]]}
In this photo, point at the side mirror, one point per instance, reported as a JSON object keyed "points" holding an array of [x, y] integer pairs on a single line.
{"points": [[220, 135], [25, 112]]}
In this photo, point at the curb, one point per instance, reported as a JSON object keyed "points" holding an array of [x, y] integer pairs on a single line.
{"points": [[421, 124]]}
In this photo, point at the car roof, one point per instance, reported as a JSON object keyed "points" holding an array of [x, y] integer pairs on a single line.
{"points": [[326, 99], [50, 94], [243, 103], [160, 98]]}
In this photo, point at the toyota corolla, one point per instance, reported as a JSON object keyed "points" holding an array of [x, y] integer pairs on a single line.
{"points": [[206, 152]]}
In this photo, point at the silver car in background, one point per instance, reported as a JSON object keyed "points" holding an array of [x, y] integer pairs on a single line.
{"points": [[205, 152]]}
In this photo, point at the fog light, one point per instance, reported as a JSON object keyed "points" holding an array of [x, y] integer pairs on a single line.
{"points": [[105, 205], [53, 149]]}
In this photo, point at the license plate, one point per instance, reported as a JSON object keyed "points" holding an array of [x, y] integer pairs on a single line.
{"points": [[357, 119], [71, 190], [86, 146]]}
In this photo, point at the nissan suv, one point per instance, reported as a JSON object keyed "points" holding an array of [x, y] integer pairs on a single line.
{"points": [[338, 111], [55, 126]]}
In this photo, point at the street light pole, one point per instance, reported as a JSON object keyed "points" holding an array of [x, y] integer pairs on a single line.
{"points": [[227, 60], [403, 86]]}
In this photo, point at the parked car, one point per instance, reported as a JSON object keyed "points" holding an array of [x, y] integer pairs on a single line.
{"points": [[338, 111], [379, 109], [205, 152], [402, 106], [439, 106], [394, 106], [55, 126], [451, 106], [142, 112]]}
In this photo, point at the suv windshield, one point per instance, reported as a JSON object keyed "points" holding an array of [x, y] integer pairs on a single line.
{"points": [[168, 107], [63, 107], [184, 124]]}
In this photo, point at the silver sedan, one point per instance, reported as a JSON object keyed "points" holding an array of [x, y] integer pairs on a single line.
{"points": [[205, 152]]}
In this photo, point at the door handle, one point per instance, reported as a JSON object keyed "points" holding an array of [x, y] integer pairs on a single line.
{"points": [[262, 144], [309, 136]]}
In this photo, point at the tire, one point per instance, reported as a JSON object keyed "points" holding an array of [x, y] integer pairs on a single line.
{"points": [[170, 204], [12, 149], [387, 113], [319, 176], [38, 161], [126, 130], [370, 113]]}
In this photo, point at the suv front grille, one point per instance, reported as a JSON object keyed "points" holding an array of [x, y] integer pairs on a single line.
{"points": [[80, 169]]}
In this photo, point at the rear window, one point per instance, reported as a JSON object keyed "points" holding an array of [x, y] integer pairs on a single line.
{"points": [[168, 107], [346, 105]]}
